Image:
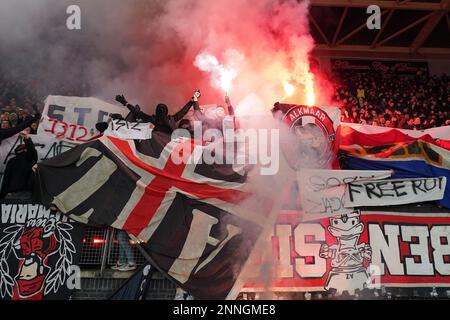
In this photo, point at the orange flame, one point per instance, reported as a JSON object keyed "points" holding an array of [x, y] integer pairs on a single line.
{"points": [[289, 89]]}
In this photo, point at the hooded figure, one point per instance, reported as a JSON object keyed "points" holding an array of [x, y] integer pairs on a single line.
{"points": [[161, 111], [161, 119], [18, 174]]}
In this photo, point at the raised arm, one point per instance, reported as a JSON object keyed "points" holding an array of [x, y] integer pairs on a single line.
{"points": [[135, 110], [193, 102], [230, 107], [124, 102]]}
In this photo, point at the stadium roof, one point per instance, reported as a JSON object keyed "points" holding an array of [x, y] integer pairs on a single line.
{"points": [[409, 28]]}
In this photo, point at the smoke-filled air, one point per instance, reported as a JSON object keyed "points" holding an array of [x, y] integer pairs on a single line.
{"points": [[161, 51]]}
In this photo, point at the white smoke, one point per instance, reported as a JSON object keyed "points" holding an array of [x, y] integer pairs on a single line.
{"points": [[222, 76], [146, 49]]}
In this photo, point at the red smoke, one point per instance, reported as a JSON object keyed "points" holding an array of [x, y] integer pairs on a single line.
{"points": [[271, 38]]}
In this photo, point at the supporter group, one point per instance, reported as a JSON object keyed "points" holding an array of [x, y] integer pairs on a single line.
{"points": [[416, 102], [406, 102]]}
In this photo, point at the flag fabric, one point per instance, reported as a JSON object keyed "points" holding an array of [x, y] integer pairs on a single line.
{"points": [[442, 133], [187, 213], [307, 256], [73, 119], [350, 135], [413, 159]]}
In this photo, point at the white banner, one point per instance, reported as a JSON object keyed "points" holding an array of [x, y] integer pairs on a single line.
{"points": [[129, 130], [46, 147], [73, 119], [7, 147], [322, 191], [394, 192]]}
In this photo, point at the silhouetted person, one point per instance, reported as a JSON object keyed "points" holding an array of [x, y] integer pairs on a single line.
{"points": [[18, 171], [6, 133], [161, 119]]}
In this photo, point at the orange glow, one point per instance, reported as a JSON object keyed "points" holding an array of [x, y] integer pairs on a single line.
{"points": [[289, 89], [308, 81], [311, 98], [97, 241]]}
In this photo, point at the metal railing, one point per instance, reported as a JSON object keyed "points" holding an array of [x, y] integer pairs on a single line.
{"points": [[113, 250], [94, 242], [100, 249]]}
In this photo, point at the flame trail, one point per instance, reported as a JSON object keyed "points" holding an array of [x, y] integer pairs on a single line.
{"points": [[289, 89], [222, 76]]}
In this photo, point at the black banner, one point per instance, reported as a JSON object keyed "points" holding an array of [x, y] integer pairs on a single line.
{"points": [[379, 66], [194, 236], [39, 253]]}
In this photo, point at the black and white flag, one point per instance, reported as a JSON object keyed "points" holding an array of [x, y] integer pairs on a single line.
{"points": [[188, 213]]}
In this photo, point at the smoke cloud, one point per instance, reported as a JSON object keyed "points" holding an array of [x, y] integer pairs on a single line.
{"points": [[154, 51], [147, 49]]}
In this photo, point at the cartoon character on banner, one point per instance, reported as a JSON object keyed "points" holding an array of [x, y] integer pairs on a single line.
{"points": [[348, 271], [32, 245]]}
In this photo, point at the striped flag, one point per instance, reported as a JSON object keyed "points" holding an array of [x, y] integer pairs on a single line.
{"points": [[364, 135], [187, 213], [414, 159]]}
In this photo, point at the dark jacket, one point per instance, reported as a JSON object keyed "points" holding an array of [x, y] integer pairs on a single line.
{"points": [[6, 133], [162, 122], [18, 174]]}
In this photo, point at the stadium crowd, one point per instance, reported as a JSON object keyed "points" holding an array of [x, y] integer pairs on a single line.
{"points": [[417, 103], [405, 102], [21, 104], [20, 99], [408, 102]]}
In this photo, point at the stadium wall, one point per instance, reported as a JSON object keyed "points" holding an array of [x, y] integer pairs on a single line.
{"points": [[96, 287], [439, 66], [436, 66]]}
